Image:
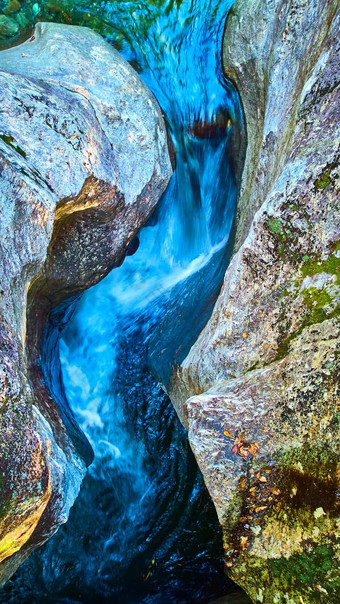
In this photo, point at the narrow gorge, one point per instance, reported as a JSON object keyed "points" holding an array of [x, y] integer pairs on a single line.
{"points": [[169, 302]]}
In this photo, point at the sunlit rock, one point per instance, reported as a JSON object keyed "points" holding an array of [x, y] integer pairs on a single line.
{"points": [[83, 161], [262, 377]]}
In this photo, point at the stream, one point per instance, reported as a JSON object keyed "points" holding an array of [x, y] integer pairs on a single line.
{"points": [[144, 529]]}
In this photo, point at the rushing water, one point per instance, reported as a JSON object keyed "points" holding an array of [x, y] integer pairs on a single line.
{"points": [[143, 528]]}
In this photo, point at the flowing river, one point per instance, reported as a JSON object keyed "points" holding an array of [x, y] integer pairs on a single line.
{"points": [[143, 528]]}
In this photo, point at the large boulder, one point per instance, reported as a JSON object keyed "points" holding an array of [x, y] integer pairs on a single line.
{"points": [[83, 162], [258, 390]]}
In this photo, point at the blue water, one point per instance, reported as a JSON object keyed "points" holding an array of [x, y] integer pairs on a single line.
{"points": [[143, 528]]}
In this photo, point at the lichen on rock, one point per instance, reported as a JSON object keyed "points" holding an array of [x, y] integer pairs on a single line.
{"points": [[83, 162]]}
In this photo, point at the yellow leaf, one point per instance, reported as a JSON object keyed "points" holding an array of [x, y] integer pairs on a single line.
{"points": [[226, 433], [260, 508]]}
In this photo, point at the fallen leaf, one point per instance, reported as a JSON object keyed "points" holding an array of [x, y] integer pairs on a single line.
{"points": [[226, 433], [254, 449], [244, 452], [243, 542], [275, 491], [260, 508], [322, 589], [235, 449], [244, 335]]}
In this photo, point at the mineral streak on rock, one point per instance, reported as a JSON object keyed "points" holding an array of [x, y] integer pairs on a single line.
{"points": [[83, 162], [258, 391]]}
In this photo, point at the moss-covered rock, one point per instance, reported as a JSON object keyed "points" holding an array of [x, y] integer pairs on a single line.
{"points": [[258, 391]]}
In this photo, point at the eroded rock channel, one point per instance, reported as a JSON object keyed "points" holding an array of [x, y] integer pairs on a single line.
{"points": [[251, 367]]}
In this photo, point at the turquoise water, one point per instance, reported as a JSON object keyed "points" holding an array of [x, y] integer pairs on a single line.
{"points": [[143, 528]]}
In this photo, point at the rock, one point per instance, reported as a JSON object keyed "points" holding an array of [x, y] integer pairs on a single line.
{"points": [[258, 390], [83, 161]]}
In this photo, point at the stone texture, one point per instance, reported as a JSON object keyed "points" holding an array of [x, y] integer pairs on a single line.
{"points": [[264, 370], [83, 162]]}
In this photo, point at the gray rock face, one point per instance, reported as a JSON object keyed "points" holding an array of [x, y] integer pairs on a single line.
{"points": [[259, 389], [83, 162]]}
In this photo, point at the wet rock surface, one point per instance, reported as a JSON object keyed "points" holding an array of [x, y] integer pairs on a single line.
{"points": [[83, 161], [258, 390]]}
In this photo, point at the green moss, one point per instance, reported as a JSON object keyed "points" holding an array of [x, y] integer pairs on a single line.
{"points": [[5, 508], [275, 227], [320, 462], [8, 139], [309, 573], [282, 232], [315, 300], [5, 405], [283, 347], [315, 266], [335, 246], [324, 180]]}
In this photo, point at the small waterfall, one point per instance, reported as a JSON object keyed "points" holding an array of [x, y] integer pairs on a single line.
{"points": [[143, 528]]}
